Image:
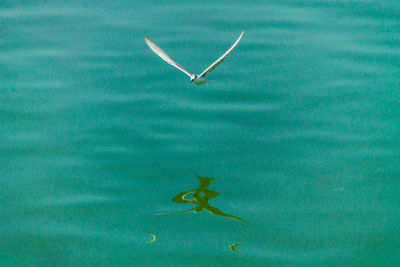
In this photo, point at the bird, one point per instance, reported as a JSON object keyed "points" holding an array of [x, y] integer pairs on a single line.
{"points": [[197, 79]]}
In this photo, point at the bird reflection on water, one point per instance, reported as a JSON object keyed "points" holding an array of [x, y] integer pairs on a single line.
{"points": [[201, 195]]}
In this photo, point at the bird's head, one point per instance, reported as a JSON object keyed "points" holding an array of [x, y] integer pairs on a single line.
{"points": [[193, 77]]}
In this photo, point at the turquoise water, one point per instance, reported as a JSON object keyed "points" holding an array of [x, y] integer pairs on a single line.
{"points": [[101, 140]]}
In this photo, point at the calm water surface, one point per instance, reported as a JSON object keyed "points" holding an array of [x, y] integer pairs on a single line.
{"points": [[300, 128]]}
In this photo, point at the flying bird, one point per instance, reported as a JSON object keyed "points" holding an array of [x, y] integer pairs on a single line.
{"points": [[197, 79]]}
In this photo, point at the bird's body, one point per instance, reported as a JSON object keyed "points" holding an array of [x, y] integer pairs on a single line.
{"points": [[197, 79]]}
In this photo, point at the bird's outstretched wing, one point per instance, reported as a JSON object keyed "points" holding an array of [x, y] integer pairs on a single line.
{"points": [[164, 56], [219, 61]]}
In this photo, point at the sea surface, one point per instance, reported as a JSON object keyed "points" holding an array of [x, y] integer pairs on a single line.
{"points": [[107, 153]]}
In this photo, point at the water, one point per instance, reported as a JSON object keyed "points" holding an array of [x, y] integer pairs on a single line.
{"points": [[299, 127]]}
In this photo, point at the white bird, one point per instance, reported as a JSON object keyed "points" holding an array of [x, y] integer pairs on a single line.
{"points": [[197, 79]]}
